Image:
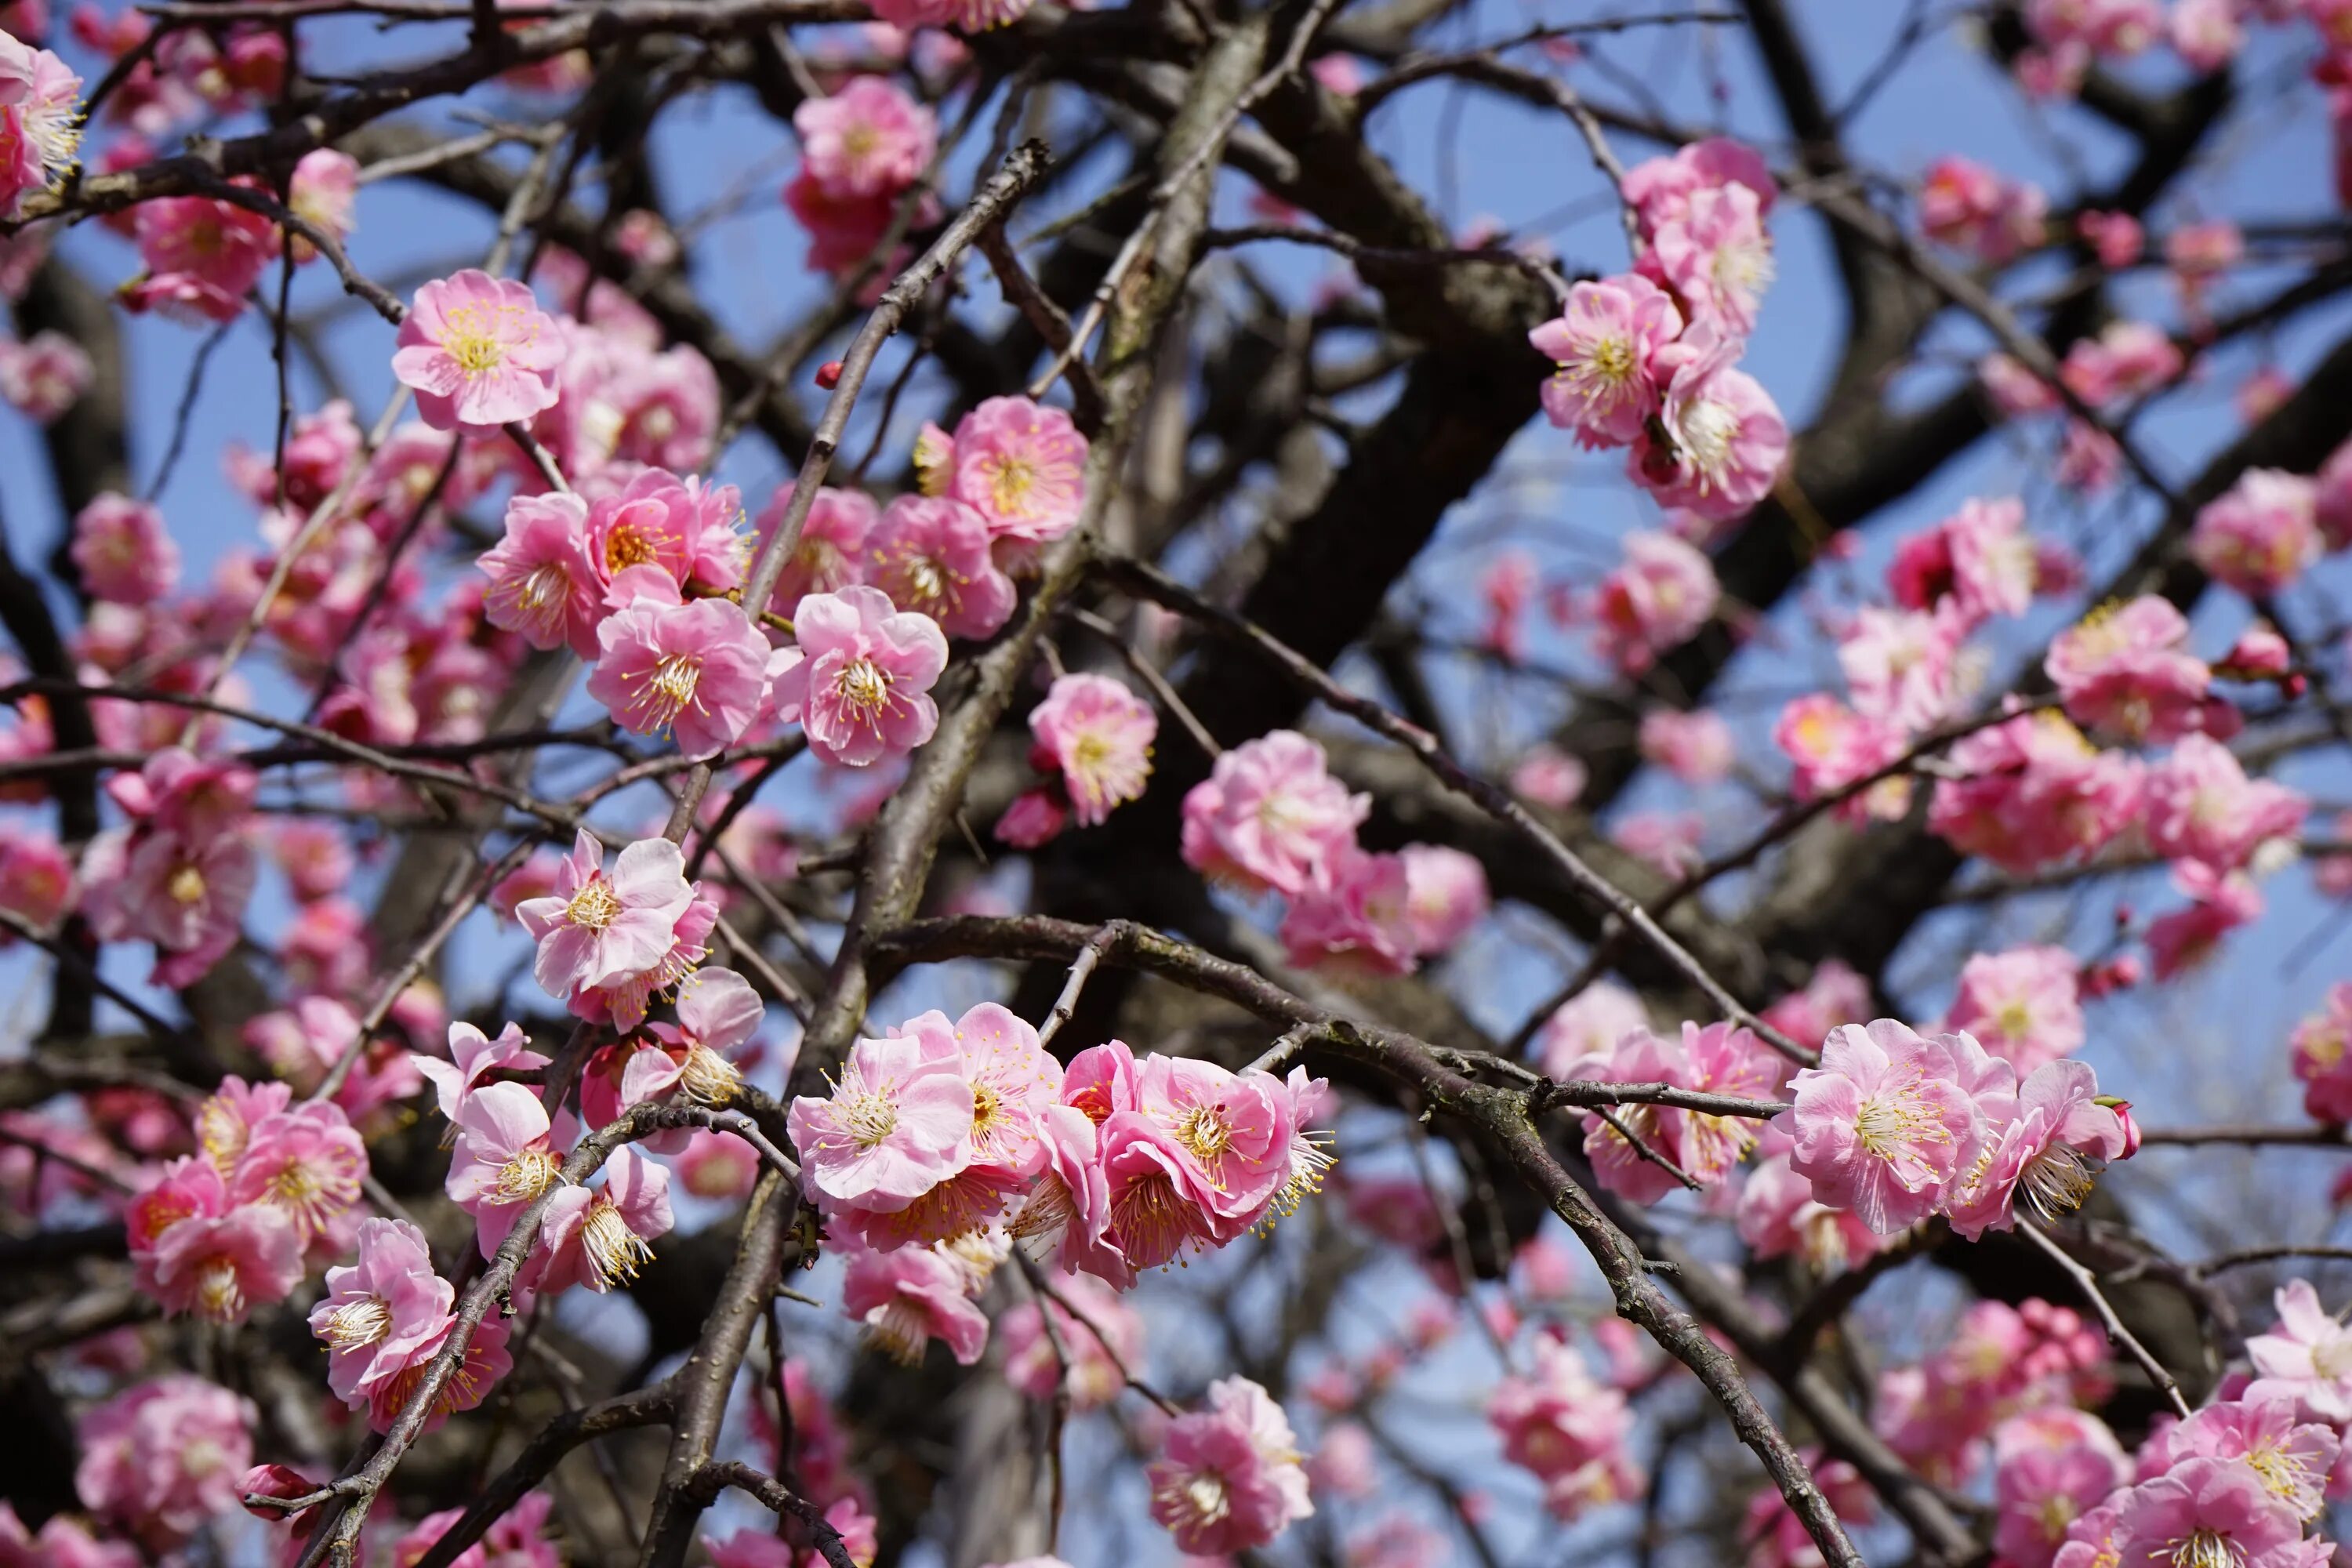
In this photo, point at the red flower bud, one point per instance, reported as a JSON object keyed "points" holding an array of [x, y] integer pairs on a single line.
{"points": [[828, 375]]}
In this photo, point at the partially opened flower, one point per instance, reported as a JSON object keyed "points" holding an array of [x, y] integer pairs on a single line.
{"points": [[2046, 1151], [1216, 1489], [124, 552], [379, 1311], [503, 1159], [909, 1296], [1268, 814], [599, 1236], [473, 1056]]}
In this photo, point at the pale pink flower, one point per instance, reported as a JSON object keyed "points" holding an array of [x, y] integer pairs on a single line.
{"points": [[1833, 994], [36, 877], [2023, 1005], [1881, 1128], [185, 893], [2032, 791], [220, 1267], [41, 124], [2296, 1457], [717, 1167], [544, 584], [163, 1457], [46, 374], [2219, 903], [503, 1158], [897, 1123], [1603, 344], [1695, 747], [1980, 559], [305, 1161], [325, 188], [1662, 594], [1589, 1023], [831, 552], [1352, 913], [2127, 360], [1833, 747], [2201, 805], [1346, 1463], [1549, 777], [2306, 1357], [867, 139], [1966, 205], [1097, 735], [485, 1361], [1667, 841], [1557, 1421], [2207, 33], [478, 352], [718, 1013], [1660, 189], [2203, 1511], [2046, 1149], [2260, 535], [931, 556], [315, 856], [598, 1236], [1228, 1478], [1726, 440], [1716, 256], [1899, 665], [1022, 467], [472, 1057], [909, 1296], [697, 671], [1778, 1218], [1151, 1187], [2127, 670], [1445, 895], [1268, 814], [596, 930], [380, 1311], [1092, 1378], [858, 683], [2323, 1057]]}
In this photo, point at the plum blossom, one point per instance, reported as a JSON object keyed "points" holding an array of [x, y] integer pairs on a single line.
{"points": [[1566, 1427], [1834, 748], [1778, 1216], [2203, 1511], [503, 1160], [1603, 344], [695, 670], [163, 1456], [1881, 1127], [473, 1055], [1354, 912], [306, 1162], [2126, 670], [1228, 1478], [2045, 1147], [1899, 666], [597, 931], [40, 122], [2306, 1357], [1696, 748], [124, 552], [1268, 814], [544, 584], [2023, 1005], [1445, 895], [1969, 207], [1096, 735], [2260, 535], [1716, 1060], [1022, 467], [1662, 594], [221, 1266], [897, 1123], [858, 683], [1716, 256], [2323, 1057], [869, 139], [477, 352], [2219, 902], [1588, 1025], [2032, 791], [2296, 1457], [1093, 1376], [1724, 439], [931, 556], [910, 1295], [381, 1313], [598, 1236], [1980, 559], [2201, 805], [831, 552]]}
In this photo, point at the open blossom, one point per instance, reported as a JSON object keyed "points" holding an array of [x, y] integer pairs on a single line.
{"points": [[2295, 1457], [1564, 1425], [897, 1123], [695, 670], [2127, 360], [831, 552], [1881, 1127], [1603, 344], [909, 1296], [40, 122], [1268, 814], [306, 1162], [860, 683], [2323, 1057], [221, 1266], [598, 1236], [1354, 911], [596, 930], [1717, 1059], [1831, 747], [503, 1160], [1717, 255], [472, 1056], [2201, 805], [544, 584], [1228, 1478], [2203, 1511], [2044, 1147], [931, 556], [2259, 535], [2032, 791], [1899, 665], [1980, 559], [383, 1311], [1022, 467], [684, 530], [2039, 1491], [1778, 1216], [2306, 1357], [478, 352], [163, 1457], [1097, 735], [1665, 592], [1724, 439], [323, 190], [2023, 1005], [183, 890], [2126, 670], [123, 551], [44, 375], [867, 139]]}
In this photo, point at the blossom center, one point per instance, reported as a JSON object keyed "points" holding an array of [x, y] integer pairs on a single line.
{"points": [[869, 1120], [673, 684], [528, 1174], [594, 907], [359, 1323], [1707, 431], [2058, 1180], [220, 1294], [614, 1250], [628, 546], [1011, 478], [468, 340], [862, 686], [186, 886], [547, 586], [2204, 1549], [1886, 1123], [1206, 1131], [709, 1078]]}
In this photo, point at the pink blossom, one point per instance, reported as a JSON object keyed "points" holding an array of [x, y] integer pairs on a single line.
{"points": [[1899, 665], [1097, 735], [1446, 896], [2046, 1149], [1660, 189], [2259, 654], [41, 124], [2023, 1005], [2201, 805], [1778, 1218], [1230, 1134], [1035, 817], [1834, 748], [221, 1266], [380, 1312], [1228, 1478], [2115, 237], [1549, 777], [163, 1457], [1093, 1377], [1695, 747], [1724, 439], [2295, 1458], [544, 584], [695, 670], [1665, 592], [1717, 1059], [596, 930], [845, 231], [931, 556], [478, 352], [2015, 390], [2306, 1357], [1353, 913], [1268, 814], [869, 139], [860, 684], [185, 893], [1980, 559], [472, 1057], [323, 189], [897, 1123], [305, 1161], [597, 1237], [1022, 467], [1588, 1025], [1881, 1128], [1563, 1424], [1602, 345], [36, 877], [717, 1167], [684, 530], [503, 1158], [2203, 1511], [831, 552], [1966, 205], [2126, 670], [2259, 536], [486, 1361], [717, 1012], [1716, 256], [909, 1296], [2207, 33], [2219, 902], [1667, 841], [2032, 791], [2323, 1043], [2127, 360], [46, 373]]}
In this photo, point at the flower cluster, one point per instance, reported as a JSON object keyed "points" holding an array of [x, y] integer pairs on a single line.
{"points": [[1228, 1477], [40, 121], [1093, 743], [1637, 1149], [861, 149], [1271, 818]]}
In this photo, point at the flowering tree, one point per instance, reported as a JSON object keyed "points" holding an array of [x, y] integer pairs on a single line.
{"points": [[1373, 1017]]}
